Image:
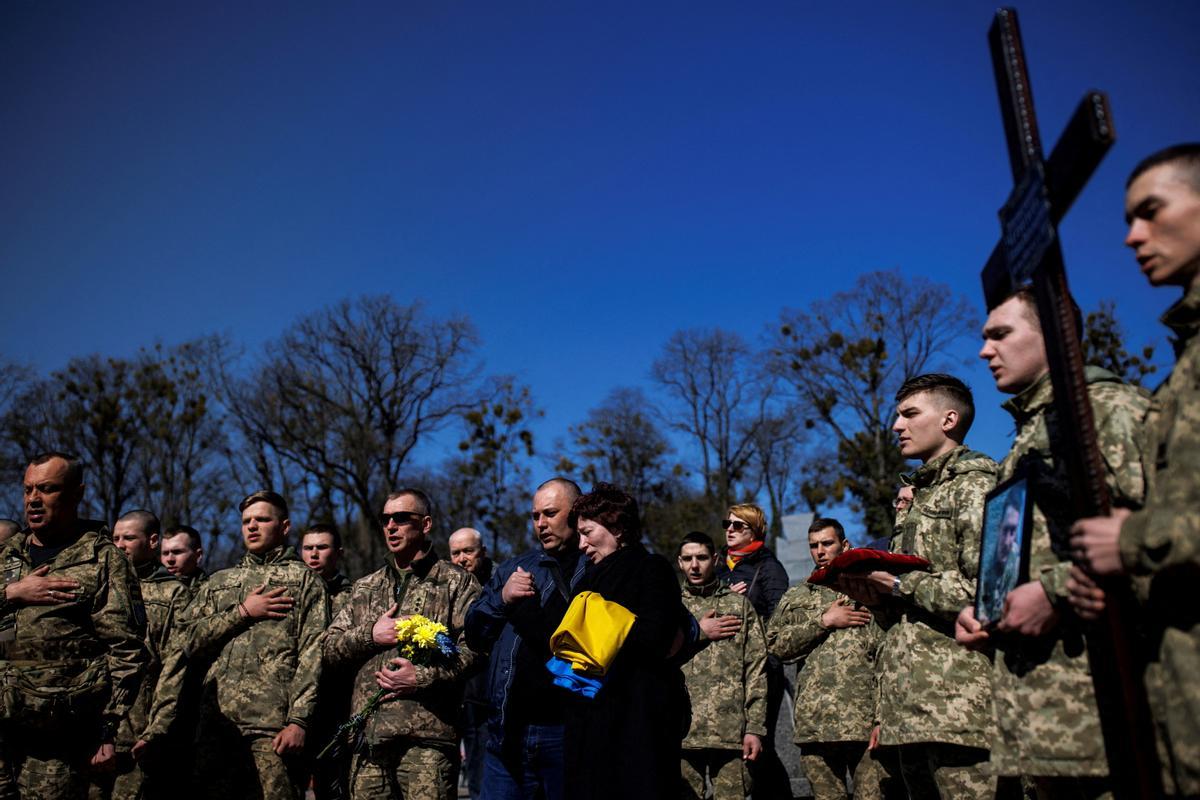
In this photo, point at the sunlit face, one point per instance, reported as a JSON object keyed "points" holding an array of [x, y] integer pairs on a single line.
{"points": [[825, 545], [130, 537], [697, 564], [922, 426], [50, 504], [466, 550], [551, 508], [320, 554], [1013, 347], [263, 527], [1162, 210], [596, 541], [738, 532], [405, 526], [178, 556]]}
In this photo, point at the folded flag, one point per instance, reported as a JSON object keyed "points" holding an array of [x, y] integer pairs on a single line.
{"points": [[861, 559], [566, 677], [591, 633]]}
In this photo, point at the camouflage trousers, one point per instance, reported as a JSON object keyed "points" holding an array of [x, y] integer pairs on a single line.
{"points": [[245, 766], [936, 769], [145, 780], [1070, 788], [41, 766], [826, 765], [1173, 688], [408, 770], [725, 768]]}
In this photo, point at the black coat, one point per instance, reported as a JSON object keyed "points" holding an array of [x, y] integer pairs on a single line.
{"points": [[764, 575], [625, 743]]}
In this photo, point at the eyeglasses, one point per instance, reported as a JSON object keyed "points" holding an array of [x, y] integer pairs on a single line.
{"points": [[737, 525], [401, 518]]}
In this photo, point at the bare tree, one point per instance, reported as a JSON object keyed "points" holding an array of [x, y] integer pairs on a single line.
{"points": [[846, 357], [779, 458], [718, 395], [346, 394], [1104, 345]]}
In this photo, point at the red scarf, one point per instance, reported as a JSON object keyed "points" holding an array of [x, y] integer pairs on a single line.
{"points": [[732, 557]]}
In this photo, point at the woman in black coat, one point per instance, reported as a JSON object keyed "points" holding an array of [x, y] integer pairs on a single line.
{"points": [[625, 743]]}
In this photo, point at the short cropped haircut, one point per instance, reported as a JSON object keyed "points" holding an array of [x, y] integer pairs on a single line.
{"points": [[193, 535], [146, 519], [329, 530], [612, 508], [698, 537], [1026, 295], [269, 497], [821, 523], [753, 516], [948, 389], [74, 474], [571, 487], [1185, 157], [424, 504]]}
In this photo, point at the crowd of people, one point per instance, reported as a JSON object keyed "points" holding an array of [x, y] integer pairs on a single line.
{"points": [[126, 671]]}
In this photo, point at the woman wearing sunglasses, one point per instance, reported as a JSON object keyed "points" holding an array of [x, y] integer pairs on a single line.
{"points": [[749, 568]]}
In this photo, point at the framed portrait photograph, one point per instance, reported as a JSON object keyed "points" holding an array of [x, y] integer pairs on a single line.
{"points": [[1003, 547]]}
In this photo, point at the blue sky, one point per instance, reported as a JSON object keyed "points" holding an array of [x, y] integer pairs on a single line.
{"points": [[580, 179]]}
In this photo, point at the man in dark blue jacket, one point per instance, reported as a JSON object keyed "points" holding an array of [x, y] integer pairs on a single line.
{"points": [[512, 620]]}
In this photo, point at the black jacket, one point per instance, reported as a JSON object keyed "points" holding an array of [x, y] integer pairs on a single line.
{"points": [[765, 578]]}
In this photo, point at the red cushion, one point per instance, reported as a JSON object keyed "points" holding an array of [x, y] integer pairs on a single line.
{"points": [[864, 560]]}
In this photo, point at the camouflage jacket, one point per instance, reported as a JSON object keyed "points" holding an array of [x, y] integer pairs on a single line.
{"points": [[726, 680], [1045, 704], [73, 661], [165, 598], [339, 593], [835, 692], [260, 676], [1163, 541], [436, 589], [929, 688], [194, 582]]}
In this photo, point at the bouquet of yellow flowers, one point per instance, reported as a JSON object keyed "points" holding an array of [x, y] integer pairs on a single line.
{"points": [[423, 642]]}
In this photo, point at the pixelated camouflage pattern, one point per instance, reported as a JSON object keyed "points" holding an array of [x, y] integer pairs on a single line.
{"points": [[1163, 541], [724, 768], [1045, 704], [413, 772], [91, 648], [835, 694], [436, 589], [726, 680], [164, 598], [261, 675], [194, 582], [339, 593], [827, 764], [929, 688]]}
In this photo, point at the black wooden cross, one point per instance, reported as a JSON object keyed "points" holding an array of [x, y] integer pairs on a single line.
{"points": [[1029, 253]]}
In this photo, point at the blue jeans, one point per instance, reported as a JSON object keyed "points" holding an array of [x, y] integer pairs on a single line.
{"points": [[537, 763]]}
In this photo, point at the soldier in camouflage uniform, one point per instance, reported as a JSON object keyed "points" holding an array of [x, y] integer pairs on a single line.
{"points": [[934, 698], [410, 745], [321, 550], [257, 629], [833, 639], [182, 552], [1049, 727], [1162, 204], [136, 535], [71, 640], [726, 681]]}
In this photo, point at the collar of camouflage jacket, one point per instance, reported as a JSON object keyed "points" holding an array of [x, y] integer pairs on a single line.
{"points": [[92, 536], [958, 461], [152, 570], [1183, 318], [712, 587], [419, 567], [339, 584], [1040, 394], [276, 554]]}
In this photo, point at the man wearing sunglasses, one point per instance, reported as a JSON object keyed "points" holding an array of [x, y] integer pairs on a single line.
{"points": [[411, 742]]}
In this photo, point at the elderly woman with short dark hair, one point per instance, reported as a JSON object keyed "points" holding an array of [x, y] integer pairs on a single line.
{"points": [[625, 742]]}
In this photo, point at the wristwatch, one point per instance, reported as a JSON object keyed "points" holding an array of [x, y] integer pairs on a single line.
{"points": [[895, 587]]}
